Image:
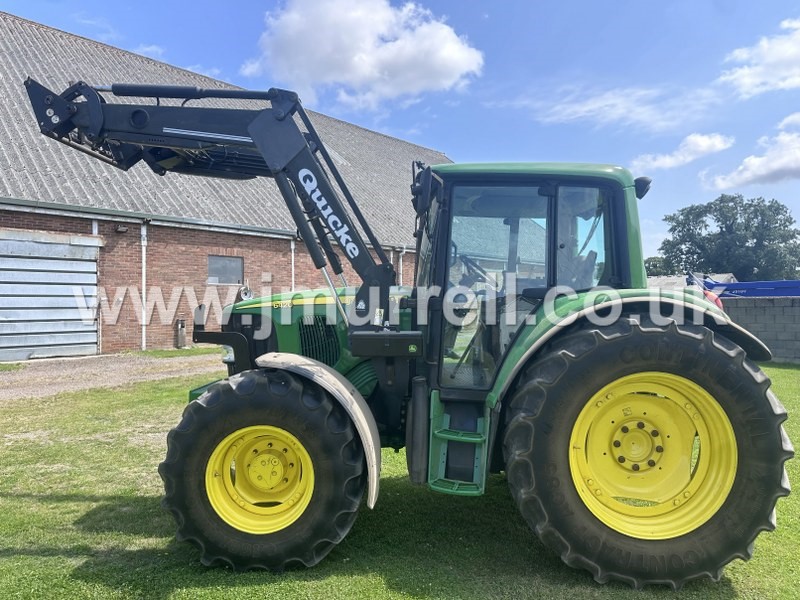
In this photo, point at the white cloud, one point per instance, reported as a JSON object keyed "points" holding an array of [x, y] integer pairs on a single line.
{"points": [[106, 32], [779, 161], [151, 50], [212, 72], [771, 64], [693, 146], [367, 51], [646, 108], [793, 120]]}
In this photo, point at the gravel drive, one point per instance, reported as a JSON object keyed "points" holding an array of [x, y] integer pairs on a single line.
{"points": [[46, 377]]}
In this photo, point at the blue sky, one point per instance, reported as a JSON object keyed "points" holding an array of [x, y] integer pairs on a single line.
{"points": [[701, 95]]}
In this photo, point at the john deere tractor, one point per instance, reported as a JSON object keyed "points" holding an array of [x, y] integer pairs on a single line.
{"points": [[638, 435]]}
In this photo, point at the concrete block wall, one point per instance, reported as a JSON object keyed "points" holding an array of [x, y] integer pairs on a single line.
{"points": [[776, 321]]}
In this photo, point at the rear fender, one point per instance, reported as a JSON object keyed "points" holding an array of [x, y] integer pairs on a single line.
{"points": [[345, 394], [711, 318]]}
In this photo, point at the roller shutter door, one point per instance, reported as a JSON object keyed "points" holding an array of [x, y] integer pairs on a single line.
{"points": [[48, 294]]}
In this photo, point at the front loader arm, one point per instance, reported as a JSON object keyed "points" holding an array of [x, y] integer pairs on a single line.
{"points": [[231, 143]]}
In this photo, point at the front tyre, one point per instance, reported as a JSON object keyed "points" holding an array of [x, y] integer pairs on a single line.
{"points": [[646, 453], [264, 471]]}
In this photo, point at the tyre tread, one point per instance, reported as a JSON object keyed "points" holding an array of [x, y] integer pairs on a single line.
{"points": [[212, 406], [530, 394]]}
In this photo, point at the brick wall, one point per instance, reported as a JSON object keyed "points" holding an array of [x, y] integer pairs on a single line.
{"points": [[45, 222], [177, 273], [776, 321], [178, 258], [118, 268]]}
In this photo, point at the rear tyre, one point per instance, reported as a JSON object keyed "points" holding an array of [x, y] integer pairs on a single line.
{"points": [[646, 453], [263, 471]]}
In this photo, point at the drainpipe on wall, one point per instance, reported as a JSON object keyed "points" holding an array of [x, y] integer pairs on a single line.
{"points": [[291, 245], [98, 322], [144, 284], [400, 263]]}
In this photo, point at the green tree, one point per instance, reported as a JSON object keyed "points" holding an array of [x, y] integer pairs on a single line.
{"points": [[754, 239], [655, 266]]}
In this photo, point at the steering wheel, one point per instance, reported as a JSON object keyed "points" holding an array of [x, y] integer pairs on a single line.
{"points": [[475, 272]]}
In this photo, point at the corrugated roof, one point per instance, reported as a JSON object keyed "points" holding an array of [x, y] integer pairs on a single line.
{"points": [[376, 167]]}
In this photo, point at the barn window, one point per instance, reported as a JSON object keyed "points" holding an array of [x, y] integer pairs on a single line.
{"points": [[225, 270]]}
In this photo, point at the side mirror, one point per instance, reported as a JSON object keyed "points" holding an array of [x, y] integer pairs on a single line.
{"points": [[421, 188], [642, 186]]}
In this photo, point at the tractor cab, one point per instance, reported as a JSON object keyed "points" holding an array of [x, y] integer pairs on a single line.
{"points": [[498, 247], [495, 240]]}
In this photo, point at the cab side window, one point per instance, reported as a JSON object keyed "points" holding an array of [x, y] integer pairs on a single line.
{"points": [[581, 237]]}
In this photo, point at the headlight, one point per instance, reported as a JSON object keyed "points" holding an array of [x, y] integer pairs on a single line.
{"points": [[244, 293]]}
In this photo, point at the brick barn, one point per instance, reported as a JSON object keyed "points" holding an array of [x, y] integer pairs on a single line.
{"points": [[86, 249]]}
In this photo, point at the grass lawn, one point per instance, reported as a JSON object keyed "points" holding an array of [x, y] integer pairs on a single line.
{"points": [[80, 518], [176, 352], [11, 366]]}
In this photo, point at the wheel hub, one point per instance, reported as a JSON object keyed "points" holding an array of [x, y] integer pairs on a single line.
{"points": [[266, 471], [636, 445]]}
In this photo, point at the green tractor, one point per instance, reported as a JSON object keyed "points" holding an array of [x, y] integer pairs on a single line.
{"points": [[639, 438]]}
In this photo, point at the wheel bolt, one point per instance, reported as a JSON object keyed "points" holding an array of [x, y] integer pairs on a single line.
{"points": [[654, 433], [621, 459], [625, 429], [635, 467], [285, 450], [640, 425], [659, 448], [617, 443], [651, 463]]}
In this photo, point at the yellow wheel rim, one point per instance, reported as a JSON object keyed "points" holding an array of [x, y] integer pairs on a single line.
{"points": [[260, 479], [653, 455]]}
